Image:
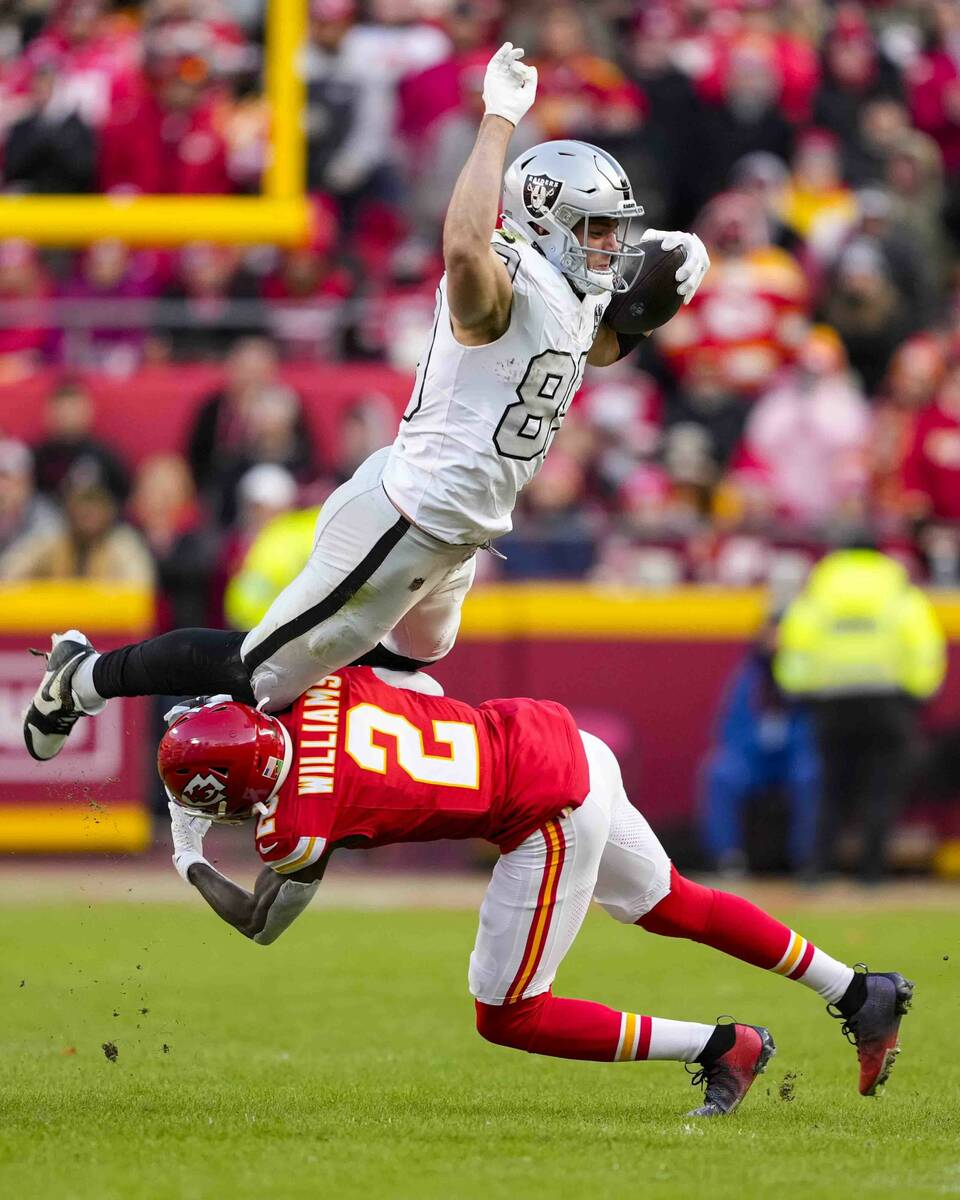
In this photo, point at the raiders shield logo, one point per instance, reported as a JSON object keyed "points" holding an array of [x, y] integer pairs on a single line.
{"points": [[540, 193]]}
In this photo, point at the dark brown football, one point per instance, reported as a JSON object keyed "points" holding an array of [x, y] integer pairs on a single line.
{"points": [[652, 299]]}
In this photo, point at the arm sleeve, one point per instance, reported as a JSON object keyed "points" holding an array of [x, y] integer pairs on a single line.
{"points": [[629, 342], [287, 905]]}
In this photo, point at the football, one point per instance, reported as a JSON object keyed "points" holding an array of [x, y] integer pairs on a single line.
{"points": [[652, 298]]}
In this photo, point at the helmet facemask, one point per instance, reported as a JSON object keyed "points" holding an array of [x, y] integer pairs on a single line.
{"points": [[559, 187], [622, 263]]}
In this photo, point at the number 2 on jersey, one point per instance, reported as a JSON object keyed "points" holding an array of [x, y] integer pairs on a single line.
{"points": [[461, 768], [527, 426]]}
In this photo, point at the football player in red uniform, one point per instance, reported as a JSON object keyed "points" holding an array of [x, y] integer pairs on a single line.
{"points": [[358, 762]]}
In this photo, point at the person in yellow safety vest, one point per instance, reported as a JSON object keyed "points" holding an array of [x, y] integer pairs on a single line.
{"points": [[278, 554], [864, 647]]}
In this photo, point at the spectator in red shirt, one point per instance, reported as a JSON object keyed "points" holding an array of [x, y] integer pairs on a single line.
{"points": [[912, 382], [795, 60], [751, 309], [931, 470], [808, 433], [93, 54], [933, 87], [169, 140]]}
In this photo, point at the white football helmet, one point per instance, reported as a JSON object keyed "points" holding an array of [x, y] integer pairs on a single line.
{"points": [[550, 188]]}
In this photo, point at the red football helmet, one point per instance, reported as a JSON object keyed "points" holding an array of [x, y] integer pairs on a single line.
{"points": [[222, 760]]}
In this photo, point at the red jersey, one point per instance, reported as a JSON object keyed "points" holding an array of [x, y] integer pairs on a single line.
{"points": [[388, 765], [931, 469]]}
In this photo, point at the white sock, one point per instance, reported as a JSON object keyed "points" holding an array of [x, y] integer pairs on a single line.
{"points": [[827, 977], [682, 1041], [84, 693]]}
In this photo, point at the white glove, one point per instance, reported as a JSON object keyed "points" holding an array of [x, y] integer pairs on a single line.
{"points": [[187, 833], [509, 86], [693, 268]]}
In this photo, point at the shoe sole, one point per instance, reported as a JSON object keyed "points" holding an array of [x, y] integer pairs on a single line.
{"points": [[904, 1001]]}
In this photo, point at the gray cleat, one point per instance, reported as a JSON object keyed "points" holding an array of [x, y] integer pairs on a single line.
{"points": [[54, 710]]}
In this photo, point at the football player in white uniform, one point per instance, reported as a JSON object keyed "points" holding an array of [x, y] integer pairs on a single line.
{"points": [[519, 315]]}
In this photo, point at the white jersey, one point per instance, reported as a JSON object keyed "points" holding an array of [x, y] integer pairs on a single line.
{"points": [[481, 418]]}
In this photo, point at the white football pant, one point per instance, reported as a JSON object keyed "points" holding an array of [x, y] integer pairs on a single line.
{"points": [[539, 893], [371, 577]]}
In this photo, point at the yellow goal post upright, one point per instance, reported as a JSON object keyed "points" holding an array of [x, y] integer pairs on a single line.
{"points": [[279, 214]]}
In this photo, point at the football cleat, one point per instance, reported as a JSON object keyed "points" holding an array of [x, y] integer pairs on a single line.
{"points": [[875, 1027], [729, 1076], [54, 711]]}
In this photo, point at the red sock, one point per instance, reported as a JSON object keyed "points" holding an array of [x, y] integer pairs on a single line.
{"points": [[727, 923], [562, 1028]]}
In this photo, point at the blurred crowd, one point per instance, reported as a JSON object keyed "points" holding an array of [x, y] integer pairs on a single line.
{"points": [[810, 391]]}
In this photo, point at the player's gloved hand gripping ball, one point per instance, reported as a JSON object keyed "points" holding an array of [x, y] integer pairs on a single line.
{"points": [[668, 276], [509, 86]]}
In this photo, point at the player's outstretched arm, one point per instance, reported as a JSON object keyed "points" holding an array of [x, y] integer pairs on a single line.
{"points": [[479, 291], [261, 915]]}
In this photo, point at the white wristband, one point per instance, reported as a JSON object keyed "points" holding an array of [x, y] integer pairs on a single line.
{"points": [[184, 860]]}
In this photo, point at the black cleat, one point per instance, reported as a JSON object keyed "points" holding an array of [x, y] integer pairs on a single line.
{"points": [[729, 1076], [875, 1027], [54, 711]]}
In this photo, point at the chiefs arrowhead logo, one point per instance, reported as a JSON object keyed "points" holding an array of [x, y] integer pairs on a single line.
{"points": [[540, 193], [203, 791]]}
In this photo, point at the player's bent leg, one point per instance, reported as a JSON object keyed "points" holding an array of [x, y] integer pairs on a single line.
{"points": [[535, 903], [366, 569], [730, 1056], [636, 883], [871, 1004], [429, 629], [568, 1028], [736, 927]]}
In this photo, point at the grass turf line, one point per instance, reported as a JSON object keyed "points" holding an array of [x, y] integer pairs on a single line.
{"points": [[343, 1060]]}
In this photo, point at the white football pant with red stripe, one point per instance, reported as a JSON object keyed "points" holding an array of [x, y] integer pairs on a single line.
{"points": [[540, 892]]}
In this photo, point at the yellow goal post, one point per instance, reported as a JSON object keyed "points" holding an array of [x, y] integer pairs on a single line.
{"points": [[280, 214]]}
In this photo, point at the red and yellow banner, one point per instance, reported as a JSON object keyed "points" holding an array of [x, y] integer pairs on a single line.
{"points": [[92, 796]]}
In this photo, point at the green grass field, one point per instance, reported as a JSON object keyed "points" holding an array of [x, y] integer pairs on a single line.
{"points": [[342, 1062]]}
